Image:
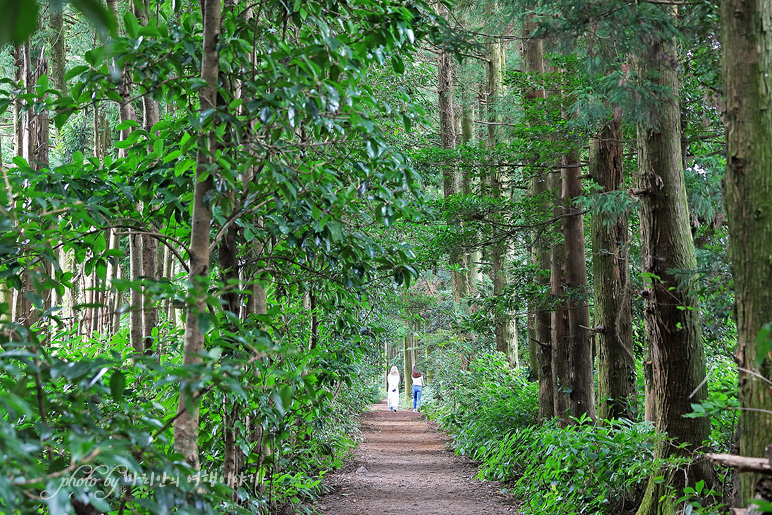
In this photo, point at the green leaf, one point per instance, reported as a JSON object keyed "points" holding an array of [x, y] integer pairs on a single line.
{"points": [[18, 21], [127, 124], [101, 269], [75, 71], [398, 63], [117, 385], [42, 84], [283, 399], [61, 118], [131, 24], [97, 13]]}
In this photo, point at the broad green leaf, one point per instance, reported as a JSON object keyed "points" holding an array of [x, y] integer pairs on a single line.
{"points": [[117, 385], [131, 24], [18, 21], [97, 14]]}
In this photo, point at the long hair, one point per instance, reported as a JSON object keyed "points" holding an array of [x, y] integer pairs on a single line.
{"points": [[416, 372], [394, 371]]}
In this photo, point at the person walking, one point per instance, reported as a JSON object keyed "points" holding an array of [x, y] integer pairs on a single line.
{"points": [[393, 389], [418, 384]]}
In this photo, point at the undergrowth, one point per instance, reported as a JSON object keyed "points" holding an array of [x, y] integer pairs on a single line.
{"points": [[491, 412]]}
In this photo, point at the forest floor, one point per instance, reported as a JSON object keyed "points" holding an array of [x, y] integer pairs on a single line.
{"points": [[403, 466]]}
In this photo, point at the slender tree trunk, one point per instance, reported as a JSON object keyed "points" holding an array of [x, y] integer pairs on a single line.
{"points": [[540, 340], [580, 338], [186, 425], [747, 46], [150, 116], [542, 320], [611, 273], [472, 258], [450, 179], [18, 112], [111, 294], [494, 76], [125, 110], [39, 131], [561, 348], [126, 113], [671, 312], [149, 252], [233, 457], [135, 295], [58, 51]]}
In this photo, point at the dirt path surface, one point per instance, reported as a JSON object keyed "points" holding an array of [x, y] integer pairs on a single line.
{"points": [[403, 467]]}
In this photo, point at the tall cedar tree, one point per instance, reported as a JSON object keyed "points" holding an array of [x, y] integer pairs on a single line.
{"points": [[539, 334], [747, 46], [671, 312], [611, 273]]}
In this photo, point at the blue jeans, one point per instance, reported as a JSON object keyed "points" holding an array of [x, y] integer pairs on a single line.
{"points": [[417, 396]]}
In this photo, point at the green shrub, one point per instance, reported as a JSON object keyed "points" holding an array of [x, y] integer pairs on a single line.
{"points": [[491, 412]]}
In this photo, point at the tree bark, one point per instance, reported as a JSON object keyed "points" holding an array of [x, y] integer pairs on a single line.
{"points": [[561, 369], [125, 110], [611, 273], [135, 294], [150, 116], [233, 457], [671, 311], [494, 79], [450, 176], [18, 111], [747, 46], [149, 253], [58, 51], [472, 258], [582, 398], [186, 425], [540, 336]]}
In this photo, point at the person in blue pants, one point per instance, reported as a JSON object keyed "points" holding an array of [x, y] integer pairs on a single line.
{"points": [[418, 384]]}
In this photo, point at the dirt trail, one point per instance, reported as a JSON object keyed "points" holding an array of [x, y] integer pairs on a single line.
{"points": [[403, 467]]}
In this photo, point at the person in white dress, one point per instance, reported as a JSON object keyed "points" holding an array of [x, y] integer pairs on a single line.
{"points": [[392, 381]]}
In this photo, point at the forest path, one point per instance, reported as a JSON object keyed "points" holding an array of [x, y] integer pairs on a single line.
{"points": [[402, 467]]}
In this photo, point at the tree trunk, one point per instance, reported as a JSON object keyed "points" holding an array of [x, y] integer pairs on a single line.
{"points": [[18, 112], [150, 116], [579, 335], [747, 45], [472, 258], [125, 110], [58, 51], [671, 312], [450, 179], [135, 294], [561, 369], [540, 337], [149, 251], [186, 426], [494, 79], [111, 294], [233, 457], [611, 273]]}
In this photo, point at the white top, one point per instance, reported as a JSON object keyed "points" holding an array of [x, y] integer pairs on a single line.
{"points": [[418, 381], [393, 381]]}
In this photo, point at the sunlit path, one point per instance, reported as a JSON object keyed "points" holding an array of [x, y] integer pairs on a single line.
{"points": [[402, 467]]}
